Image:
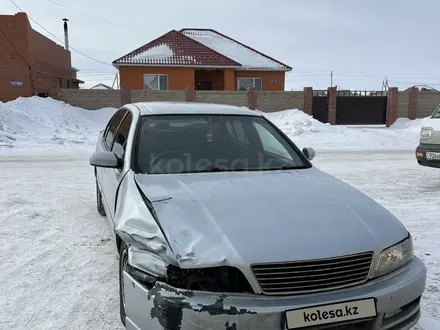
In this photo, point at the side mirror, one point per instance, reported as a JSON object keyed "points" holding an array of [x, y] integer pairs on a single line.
{"points": [[309, 153], [104, 159]]}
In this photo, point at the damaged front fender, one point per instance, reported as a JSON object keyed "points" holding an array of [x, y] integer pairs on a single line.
{"points": [[148, 249]]}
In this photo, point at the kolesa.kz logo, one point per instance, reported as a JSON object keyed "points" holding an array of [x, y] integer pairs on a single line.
{"points": [[349, 311]]}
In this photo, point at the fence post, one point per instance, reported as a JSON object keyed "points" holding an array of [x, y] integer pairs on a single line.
{"points": [[391, 106], [308, 100], [190, 95], [412, 103], [252, 98], [125, 95], [331, 99]]}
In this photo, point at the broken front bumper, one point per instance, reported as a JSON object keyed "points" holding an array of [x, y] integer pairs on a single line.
{"points": [[164, 307]]}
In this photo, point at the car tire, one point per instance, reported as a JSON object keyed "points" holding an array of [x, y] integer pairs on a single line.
{"points": [[99, 205], [123, 258]]}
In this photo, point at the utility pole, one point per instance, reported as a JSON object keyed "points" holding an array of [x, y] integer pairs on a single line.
{"points": [[116, 81], [331, 78]]}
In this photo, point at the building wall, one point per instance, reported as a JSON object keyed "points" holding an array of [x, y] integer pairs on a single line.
{"points": [[132, 77], [271, 80], [43, 65], [181, 78], [215, 76], [51, 64], [13, 57]]}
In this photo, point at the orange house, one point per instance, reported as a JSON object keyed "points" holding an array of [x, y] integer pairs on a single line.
{"points": [[200, 59]]}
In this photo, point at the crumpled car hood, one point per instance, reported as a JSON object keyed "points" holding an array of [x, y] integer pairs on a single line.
{"points": [[234, 218]]}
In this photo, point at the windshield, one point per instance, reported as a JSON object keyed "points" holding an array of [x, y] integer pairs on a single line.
{"points": [[436, 113], [212, 143]]}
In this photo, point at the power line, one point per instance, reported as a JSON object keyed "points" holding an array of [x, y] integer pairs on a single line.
{"points": [[54, 36], [88, 14], [352, 74]]}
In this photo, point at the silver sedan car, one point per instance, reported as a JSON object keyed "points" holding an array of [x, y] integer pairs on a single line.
{"points": [[221, 222]]}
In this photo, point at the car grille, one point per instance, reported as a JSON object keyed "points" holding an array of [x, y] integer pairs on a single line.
{"points": [[312, 276]]}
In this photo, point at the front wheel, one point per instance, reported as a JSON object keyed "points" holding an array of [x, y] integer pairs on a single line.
{"points": [[123, 260]]}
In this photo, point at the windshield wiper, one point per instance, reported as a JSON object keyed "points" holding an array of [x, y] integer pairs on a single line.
{"points": [[284, 168], [220, 169], [215, 169]]}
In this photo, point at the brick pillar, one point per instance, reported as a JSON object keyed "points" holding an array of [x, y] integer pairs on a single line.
{"points": [[252, 98], [190, 95], [308, 100], [391, 106], [125, 95], [412, 103], [331, 99]]}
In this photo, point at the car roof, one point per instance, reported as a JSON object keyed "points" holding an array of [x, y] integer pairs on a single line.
{"points": [[174, 108]]}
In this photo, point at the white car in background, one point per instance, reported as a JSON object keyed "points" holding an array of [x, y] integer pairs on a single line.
{"points": [[428, 151]]}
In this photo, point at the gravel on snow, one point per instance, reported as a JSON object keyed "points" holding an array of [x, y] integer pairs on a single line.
{"points": [[59, 264]]}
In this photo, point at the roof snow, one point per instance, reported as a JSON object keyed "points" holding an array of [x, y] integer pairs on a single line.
{"points": [[248, 58], [162, 51]]}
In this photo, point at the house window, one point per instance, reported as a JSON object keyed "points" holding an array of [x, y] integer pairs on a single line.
{"points": [[158, 82], [243, 84]]}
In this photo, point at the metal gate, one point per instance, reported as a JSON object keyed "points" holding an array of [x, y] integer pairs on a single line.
{"points": [[361, 108], [320, 106]]}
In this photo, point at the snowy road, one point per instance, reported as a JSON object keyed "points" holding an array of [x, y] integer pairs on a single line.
{"points": [[59, 266]]}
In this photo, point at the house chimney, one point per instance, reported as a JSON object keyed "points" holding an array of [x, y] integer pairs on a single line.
{"points": [[66, 34]]}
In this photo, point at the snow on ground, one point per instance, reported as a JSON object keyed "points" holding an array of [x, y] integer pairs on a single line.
{"points": [[306, 131], [38, 122], [58, 261], [59, 264]]}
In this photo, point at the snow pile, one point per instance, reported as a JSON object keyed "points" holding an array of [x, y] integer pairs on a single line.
{"points": [[34, 121], [306, 131], [296, 122], [409, 125]]}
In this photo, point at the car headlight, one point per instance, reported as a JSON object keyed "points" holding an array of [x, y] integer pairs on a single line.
{"points": [[395, 257], [425, 133]]}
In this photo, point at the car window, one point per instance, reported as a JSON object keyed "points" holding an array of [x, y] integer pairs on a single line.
{"points": [[235, 128], [270, 142], [113, 127], [436, 113], [119, 145], [210, 143]]}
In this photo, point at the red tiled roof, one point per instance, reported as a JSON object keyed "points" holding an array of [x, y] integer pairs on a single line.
{"points": [[175, 48]]}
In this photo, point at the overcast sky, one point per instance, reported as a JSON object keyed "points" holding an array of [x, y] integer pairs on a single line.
{"points": [[362, 42]]}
